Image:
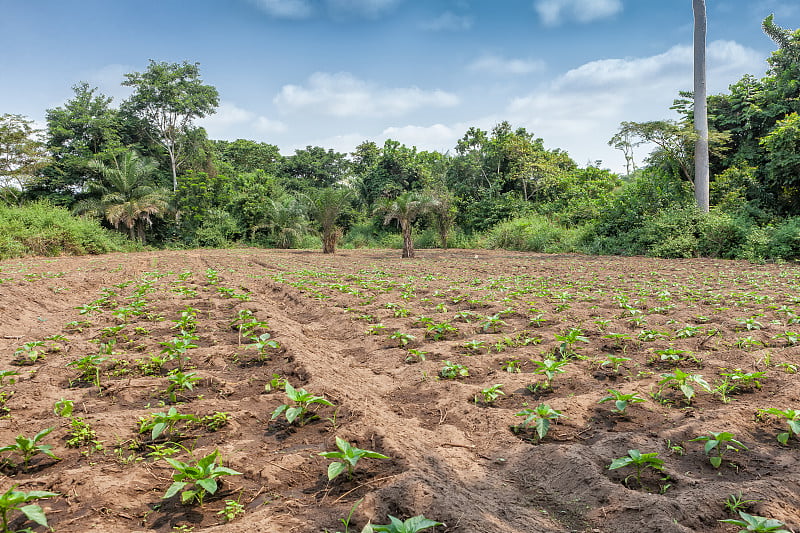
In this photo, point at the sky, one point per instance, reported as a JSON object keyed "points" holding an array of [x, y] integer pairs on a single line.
{"points": [[334, 73]]}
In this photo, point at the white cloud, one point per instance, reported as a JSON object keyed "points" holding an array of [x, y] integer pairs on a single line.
{"points": [[343, 95], [231, 120], [493, 64], [436, 137], [553, 12], [448, 21], [286, 9], [580, 110]]}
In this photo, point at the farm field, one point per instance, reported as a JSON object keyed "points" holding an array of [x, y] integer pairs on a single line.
{"points": [[493, 381]]}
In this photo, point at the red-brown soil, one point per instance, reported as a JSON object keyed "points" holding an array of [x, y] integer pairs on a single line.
{"points": [[453, 459]]}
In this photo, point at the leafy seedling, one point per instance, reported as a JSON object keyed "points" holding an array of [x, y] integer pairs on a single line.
{"points": [[721, 442], [27, 448], [303, 401], [349, 456], [200, 477], [567, 347], [792, 418], [539, 419], [621, 400], [163, 423], [453, 370], [14, 500], [757, 524], [736, 502], [683, 381], [640, 461], [412, 525], [489, 395], [180, 381], [549, 368]]}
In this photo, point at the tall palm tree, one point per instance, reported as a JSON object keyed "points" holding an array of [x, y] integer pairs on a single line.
{"points": [[405, 209], [325, 206], [126, 196]]}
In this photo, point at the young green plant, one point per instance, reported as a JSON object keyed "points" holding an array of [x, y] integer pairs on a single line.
{"points": [[349, 455]]}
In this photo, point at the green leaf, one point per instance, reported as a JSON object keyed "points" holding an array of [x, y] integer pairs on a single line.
{"points": [[34, 513], [292, 413], [174, 489], [715, 461], [334, 469], [783, 438], [209, 484], [620, 462]]}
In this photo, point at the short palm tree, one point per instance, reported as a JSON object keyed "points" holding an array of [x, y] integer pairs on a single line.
{"points": [[325, 206], [126, 195], [284, 220], [405, 209]]}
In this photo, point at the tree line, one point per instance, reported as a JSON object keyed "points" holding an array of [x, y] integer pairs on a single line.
{"points": [[145, 169]]}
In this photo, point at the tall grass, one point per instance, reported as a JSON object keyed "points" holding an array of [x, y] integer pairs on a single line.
{"points": [[40, 228]]}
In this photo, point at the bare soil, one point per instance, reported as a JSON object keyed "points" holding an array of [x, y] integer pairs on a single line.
{"points": [[453, 457]]}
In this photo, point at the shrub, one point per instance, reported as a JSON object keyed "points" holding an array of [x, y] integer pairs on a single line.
{"points": [[529, 234], [40, 228]]}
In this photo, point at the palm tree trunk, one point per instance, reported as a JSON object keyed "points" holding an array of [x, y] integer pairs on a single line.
{"points": [[408, 242], [701, 176], [329, 238]]}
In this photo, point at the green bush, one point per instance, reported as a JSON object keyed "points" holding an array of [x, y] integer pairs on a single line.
{"points": [[722, 234], [40, 228], [529, 234], [784, 242]]}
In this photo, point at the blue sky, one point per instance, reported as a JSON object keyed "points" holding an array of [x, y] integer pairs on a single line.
{"points": [[336, 72]]}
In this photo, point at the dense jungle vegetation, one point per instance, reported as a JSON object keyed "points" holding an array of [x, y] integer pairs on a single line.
{"points": [[144, 171]]}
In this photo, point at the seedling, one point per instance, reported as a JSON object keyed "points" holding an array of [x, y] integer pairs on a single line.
{"points": [[30, 352], [231, 510], [375, 329], [262, 343], [621, 400], [276, 383], [687, 331], [492, 324], [549, 368], [402, 338], [742, 381], [13, 500], [201, 477], [489, 395], [750, 323], [301, 411], [512, 366], [716, 441], [178, 347], [736, 502], [539, 419], [163, 423], [640, 461], [180, 381], [415, 355], [453, 370], [683, 381], [475, 346], [757, 523], [27, 448], [412, 525], [568, 339], [89, 366], [10, 374], [63, 408], [614, 362], [81, 434], [349, 455], [792, 419], [440, 331], [791, 338]]}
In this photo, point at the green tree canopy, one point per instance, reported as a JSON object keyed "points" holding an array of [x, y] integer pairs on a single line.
{"points": [[167, 97]]}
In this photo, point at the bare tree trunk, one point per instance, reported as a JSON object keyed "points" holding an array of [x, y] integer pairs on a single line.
{"points": [[701, 172]]}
